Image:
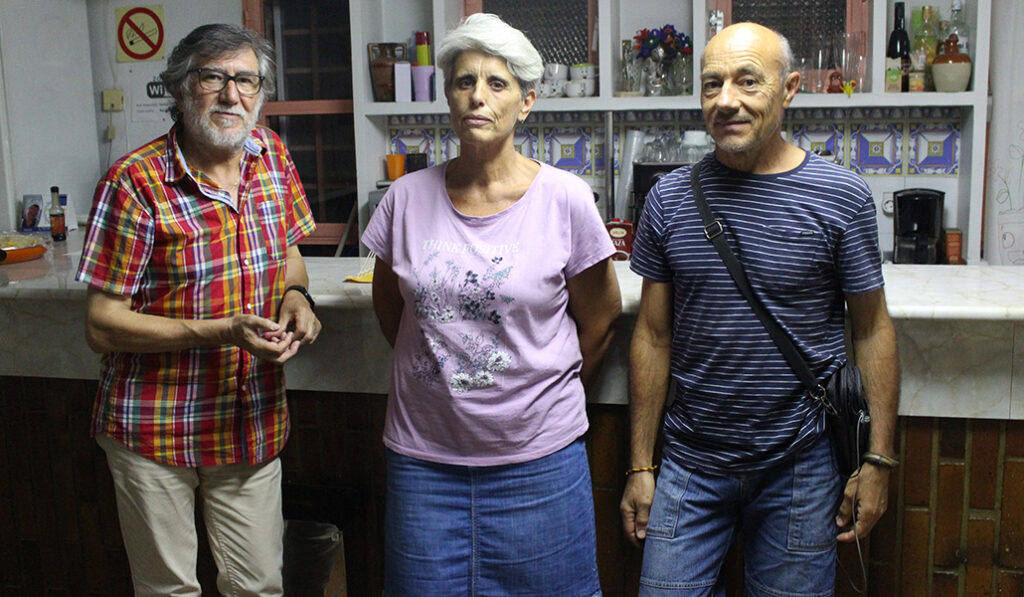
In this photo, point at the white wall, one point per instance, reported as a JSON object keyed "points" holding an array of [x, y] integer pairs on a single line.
{"points": [[1004, 195], [134, 128], [47, 81], [55, 58]]}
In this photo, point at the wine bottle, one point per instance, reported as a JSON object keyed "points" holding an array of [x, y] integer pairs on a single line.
{"points": [[897, 54]]}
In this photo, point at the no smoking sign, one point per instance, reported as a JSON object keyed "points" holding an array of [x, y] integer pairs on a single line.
{"points": [[140, 33]]}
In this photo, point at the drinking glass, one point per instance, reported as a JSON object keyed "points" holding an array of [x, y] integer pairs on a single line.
{"points": [[823, 61], [855, 61]]}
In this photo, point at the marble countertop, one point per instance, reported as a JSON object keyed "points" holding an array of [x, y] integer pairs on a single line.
{"points": [[940, 292], [960, 330]]}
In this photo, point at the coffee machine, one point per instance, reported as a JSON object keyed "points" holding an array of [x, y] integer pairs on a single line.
{"points": [[645, 176], [917, 226]]}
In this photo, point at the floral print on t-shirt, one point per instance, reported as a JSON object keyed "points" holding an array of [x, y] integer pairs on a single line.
{"points": [[446, 294]]}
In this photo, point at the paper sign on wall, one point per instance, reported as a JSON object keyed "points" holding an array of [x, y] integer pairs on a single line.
{"points": [[149, 99], [140, 33]]}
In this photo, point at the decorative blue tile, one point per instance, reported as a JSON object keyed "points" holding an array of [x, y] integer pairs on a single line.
{"points": [[876, 148], [525, 141], [599, 147], [418, 140], [821, 137], [569, 149], [450, 146], [934, 148]]}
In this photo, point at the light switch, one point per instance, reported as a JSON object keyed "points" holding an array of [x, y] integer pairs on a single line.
{"points": [[113, 100]]}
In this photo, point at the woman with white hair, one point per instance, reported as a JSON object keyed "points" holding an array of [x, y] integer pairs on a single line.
{"points": [[494, 286]]}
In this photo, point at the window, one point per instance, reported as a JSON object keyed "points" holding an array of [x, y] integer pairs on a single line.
{"points": [[312, 110]]}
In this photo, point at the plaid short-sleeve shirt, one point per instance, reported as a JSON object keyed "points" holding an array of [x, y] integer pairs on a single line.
{"points": [[184, 249]]}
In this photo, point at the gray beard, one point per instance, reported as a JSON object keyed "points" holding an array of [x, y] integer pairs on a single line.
{"points": [[200, 126]]}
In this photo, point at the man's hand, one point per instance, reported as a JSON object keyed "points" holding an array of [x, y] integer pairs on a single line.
{"points": [[264, 338], [636, 506], [868, 492], [298, 318]]}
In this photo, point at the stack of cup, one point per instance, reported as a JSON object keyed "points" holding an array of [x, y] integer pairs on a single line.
{"points": [[555, 77], [422, 69], [582, 80]]}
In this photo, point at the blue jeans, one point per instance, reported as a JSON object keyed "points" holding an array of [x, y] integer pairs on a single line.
{"points": [[787, 514], [520, 529]]}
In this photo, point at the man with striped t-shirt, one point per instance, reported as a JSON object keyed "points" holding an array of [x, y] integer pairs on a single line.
{"points": [[745, 447]]}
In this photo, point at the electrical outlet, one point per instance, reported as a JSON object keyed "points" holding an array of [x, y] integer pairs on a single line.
{"points": [[112, 100], [888, 205]]}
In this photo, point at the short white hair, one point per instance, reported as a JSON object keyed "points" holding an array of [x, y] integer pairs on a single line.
{"points": [[489, 34], [785, 54]]}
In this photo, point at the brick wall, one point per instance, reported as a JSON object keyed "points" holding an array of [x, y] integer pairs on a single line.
{"points": [[955, 524]]}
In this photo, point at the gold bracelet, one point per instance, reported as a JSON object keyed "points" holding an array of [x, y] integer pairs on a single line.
{"points": [[879, 460], [641, 469]]}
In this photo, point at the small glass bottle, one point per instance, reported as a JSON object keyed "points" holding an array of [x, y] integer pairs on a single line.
{"points": [[57, 226], [924, 46], [958, 26]]}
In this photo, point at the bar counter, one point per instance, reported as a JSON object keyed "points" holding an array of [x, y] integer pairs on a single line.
{"points": [[954, 517], [960, 332]]}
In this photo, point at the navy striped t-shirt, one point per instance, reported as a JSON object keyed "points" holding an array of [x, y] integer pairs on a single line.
{"points": [[805, 237]]}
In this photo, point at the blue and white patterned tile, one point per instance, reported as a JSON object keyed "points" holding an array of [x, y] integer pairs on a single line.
{"points": [[877, 148], [821, 137], [450, 146], [413, 140], [569, 149], [934, 149], [599, 147], [525, 141]]}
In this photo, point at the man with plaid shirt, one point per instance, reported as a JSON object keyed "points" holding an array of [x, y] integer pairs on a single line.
{"points": [[196, 299]]}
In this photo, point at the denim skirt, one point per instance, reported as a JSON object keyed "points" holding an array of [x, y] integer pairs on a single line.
{"points": [[519, 529]]}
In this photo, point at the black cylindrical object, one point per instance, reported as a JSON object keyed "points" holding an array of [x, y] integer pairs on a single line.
{"points": [[917, 226], [645, 176]]}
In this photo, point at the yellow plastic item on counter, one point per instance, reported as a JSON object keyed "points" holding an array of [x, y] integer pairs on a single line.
{"points": [[365, 275]]}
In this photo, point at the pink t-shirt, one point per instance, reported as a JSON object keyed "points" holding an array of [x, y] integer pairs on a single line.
{"points": [[487, 358]]}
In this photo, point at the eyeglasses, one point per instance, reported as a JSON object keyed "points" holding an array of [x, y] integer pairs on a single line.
{"points": [[214, 79]]}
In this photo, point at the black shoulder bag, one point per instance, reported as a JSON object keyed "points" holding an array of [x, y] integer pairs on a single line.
{"points": [[847, 417]]}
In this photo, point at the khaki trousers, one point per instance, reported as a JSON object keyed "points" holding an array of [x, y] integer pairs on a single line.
{"points": [[241, 507]]}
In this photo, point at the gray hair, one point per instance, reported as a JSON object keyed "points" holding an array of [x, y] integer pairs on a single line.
{"points": [[786, 59], [207, 43], [489, 34]]}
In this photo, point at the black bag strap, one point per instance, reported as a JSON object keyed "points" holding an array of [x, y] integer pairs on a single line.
{"points": [[715, 233]]}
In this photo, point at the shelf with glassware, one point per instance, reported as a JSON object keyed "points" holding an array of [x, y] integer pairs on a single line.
{"points": [[692, 102], [609, 95], [621, 19]]}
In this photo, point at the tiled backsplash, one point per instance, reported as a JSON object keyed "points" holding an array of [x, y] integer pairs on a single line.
{"points": [[892, 148], [872, 142]]}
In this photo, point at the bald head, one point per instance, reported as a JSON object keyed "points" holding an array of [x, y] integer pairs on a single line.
{"points": [[746, 35], [745, 87]]}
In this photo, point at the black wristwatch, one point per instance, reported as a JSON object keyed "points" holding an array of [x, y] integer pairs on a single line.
{"points": [[305, 293]]}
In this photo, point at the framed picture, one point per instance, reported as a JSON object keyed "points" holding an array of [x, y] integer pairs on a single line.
{"points": [[32, 214]]}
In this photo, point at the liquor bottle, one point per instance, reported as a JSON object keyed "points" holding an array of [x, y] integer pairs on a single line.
{"points": [[958, 25], [925, 45], [57, 228], [897, 55]]}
